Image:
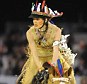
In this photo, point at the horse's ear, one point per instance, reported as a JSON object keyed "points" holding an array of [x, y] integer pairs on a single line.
{"points": [[46, 65]]}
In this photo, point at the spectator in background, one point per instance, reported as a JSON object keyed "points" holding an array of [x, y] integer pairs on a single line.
{"points": [[83, 59], [83, 80], [11, 53], [81, 67]]}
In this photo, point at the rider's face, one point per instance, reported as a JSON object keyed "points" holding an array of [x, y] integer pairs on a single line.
{"points": [[38, 22]]}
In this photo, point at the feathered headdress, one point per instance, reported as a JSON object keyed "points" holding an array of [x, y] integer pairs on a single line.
{"points": [[41, 9]]}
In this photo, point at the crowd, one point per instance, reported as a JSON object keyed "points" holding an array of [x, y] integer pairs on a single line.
{"points": [[12, 52]]}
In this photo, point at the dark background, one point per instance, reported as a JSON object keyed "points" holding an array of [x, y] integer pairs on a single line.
{"points": [[20, 9]]}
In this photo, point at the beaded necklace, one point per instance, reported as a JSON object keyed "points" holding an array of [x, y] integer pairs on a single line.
{"points": [[41, 34]]}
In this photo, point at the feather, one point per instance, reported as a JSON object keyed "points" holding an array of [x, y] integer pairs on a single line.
{"points": [[36, 3], [32, 9], [43, 4], [38, 7], [60, 67]]}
